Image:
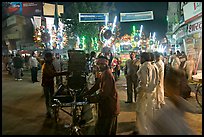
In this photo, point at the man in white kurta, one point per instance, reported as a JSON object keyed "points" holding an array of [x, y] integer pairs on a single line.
{"points": [[160, 87], [189, 66], [147, 76]]}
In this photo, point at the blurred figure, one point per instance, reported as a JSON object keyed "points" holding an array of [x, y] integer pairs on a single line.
{"points": [[27, 61], [170, 58], [160, 87], [169, 120], [145, 102], [34, 67], [18, 65], [9, 66], [183, 59], [114, 67], [189, 66], [57, 64], [91, 61], [108, 100], [175, 62], [131, 67]]}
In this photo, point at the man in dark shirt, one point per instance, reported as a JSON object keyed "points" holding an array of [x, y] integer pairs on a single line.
{"points": [[18, 65], [108, 101], [48, 74]]}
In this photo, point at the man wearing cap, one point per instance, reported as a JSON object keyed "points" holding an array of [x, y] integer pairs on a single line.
{"points": [[107, 99]]}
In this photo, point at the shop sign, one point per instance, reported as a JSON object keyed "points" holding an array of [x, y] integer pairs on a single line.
{"points": [[192, 10], [181, 32], [195, 26]]}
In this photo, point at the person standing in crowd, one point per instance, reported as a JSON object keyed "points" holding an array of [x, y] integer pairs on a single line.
{"points": [[34, 67], [160, 87], [182, 58], [189, 66], [131, 67], [119, 68], [18, 65], [170, 58], [91, 60], [148, 78], [175, 62], [57, 65], [48, 74], [26, 61], [108, 100]]}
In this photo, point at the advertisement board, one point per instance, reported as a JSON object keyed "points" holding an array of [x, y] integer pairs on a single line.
{"points": [[49, 9], [137, 16], [28, 9]]}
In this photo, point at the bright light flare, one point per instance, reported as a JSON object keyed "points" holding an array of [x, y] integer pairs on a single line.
{"points": [[141, 27], [114, 22]]}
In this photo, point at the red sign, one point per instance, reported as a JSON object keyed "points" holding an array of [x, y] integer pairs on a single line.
{"points": [[28, 9]]}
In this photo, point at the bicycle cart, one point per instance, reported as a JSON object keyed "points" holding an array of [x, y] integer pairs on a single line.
{"points": [[69, 95]]}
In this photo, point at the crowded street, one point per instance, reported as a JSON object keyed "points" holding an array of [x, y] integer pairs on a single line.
{"points": [[23, 110], [101, 68]]}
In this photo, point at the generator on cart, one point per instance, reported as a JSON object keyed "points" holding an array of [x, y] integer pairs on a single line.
{"points": [[68, 95]]}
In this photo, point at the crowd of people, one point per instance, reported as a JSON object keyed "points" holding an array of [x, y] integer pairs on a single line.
{"points": [[147, 78]]}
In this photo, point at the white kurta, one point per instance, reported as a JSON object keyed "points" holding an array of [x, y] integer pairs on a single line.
{"points": [[145, 98], [160, 87], [190, 66]]}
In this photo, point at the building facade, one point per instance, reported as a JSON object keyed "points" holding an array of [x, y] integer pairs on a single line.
{"points": [[185, 28]]}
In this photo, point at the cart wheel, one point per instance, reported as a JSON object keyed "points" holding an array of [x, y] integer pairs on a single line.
{"points": [[199, 96]]}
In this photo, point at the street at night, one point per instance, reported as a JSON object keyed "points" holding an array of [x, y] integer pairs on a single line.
{"points": [[23, 110], [101, 68]]}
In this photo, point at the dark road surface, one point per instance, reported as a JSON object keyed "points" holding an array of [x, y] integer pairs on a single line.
{"points": [[23, 110]]}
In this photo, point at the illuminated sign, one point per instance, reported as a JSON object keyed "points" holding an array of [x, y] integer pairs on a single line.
{"points": [[93, 17], [137, 16]]}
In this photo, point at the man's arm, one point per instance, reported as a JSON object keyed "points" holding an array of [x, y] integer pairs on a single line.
{"points": [[94, 88]]}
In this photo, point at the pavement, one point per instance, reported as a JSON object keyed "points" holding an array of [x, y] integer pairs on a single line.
{"points": [[23, 110]]}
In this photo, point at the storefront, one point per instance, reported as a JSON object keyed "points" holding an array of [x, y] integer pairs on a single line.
{"points": [[193, 40]]}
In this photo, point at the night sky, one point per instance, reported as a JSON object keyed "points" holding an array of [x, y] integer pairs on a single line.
{"points": [[158, 25]]}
